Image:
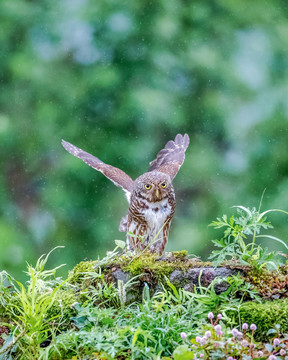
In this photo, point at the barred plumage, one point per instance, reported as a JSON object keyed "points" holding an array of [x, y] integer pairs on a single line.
{"points": [[151, 196]]}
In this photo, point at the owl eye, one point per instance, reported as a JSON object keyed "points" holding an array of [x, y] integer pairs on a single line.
{"points": [[163, 185], [147, 186]]}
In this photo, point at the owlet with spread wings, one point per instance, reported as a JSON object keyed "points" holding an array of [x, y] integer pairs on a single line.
{"points": [[151, 196]]}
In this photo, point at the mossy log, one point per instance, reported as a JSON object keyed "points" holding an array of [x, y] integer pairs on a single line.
{"points": [[181, 271], [156, 272]]}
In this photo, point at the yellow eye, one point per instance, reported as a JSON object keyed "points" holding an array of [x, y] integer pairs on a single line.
{"points": [[147, 186], [163, 185]]}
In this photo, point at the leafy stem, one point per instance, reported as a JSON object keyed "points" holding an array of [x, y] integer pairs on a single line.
{"points": [[249, 223]]}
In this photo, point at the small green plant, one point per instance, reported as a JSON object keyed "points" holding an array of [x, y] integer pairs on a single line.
{"points": [[28, 309], [237, 229], [100, 292]]}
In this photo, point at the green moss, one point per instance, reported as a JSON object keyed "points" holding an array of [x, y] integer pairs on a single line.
{"points": [[182, 254], [265, 315], [148, 262], [78, 273], [158, 266]]}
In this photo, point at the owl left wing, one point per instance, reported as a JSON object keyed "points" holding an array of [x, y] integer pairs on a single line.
{"points": [[170, 159], [117, 176]]}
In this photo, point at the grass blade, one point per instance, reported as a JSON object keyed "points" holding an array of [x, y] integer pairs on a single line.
{"points": [[273, 238]]}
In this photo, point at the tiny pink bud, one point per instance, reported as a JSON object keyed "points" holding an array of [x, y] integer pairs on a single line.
{"points": [[202, 356], [203, 340], [218, 328], [230, 358], [198, 339], [276, 342], [260, 353], [208, 334], [183, 335], [282, 352], [245, 326], [219, 316], [220, 333], [244, 343], [239, 335], [234, 332], [253, 327], [272, 357], [210, 315]]}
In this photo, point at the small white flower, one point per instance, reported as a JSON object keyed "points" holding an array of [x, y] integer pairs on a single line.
{"points": [[73, 305], [183, 335]]}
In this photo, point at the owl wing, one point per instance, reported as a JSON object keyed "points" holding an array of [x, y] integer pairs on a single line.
{"points": [[170, 159], [117, 176]]}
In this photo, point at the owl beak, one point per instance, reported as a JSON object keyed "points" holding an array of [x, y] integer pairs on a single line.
{"points": [[157, 193]]}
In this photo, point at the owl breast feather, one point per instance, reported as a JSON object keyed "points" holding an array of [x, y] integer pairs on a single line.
{"points": [[156, 216]]}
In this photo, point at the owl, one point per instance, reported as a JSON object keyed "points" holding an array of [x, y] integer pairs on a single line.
{"points": [[151, 196]]}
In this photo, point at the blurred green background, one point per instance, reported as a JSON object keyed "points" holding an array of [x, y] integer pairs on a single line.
{"points": [[120, 79]]}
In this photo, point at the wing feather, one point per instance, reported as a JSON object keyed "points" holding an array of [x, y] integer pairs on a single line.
{"points": [[170, 159], [117, 176]]}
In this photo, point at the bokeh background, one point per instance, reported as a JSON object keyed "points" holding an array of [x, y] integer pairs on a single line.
{"points": [[119, 79]]}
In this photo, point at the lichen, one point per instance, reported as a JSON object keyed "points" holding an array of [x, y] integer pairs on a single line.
{"points": [[269, 284]]}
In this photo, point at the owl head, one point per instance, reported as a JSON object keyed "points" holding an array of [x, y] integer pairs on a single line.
{"points": [[153, 186]]}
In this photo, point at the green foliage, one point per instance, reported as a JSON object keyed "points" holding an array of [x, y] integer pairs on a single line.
{"points": [[29, 309], [47, 321], [266, 315], [232, 245], [140, 331], [119, 79], [182, 352]]}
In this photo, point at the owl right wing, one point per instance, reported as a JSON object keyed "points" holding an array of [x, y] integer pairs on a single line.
{"points": [[170, 159], [117, 176]]}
